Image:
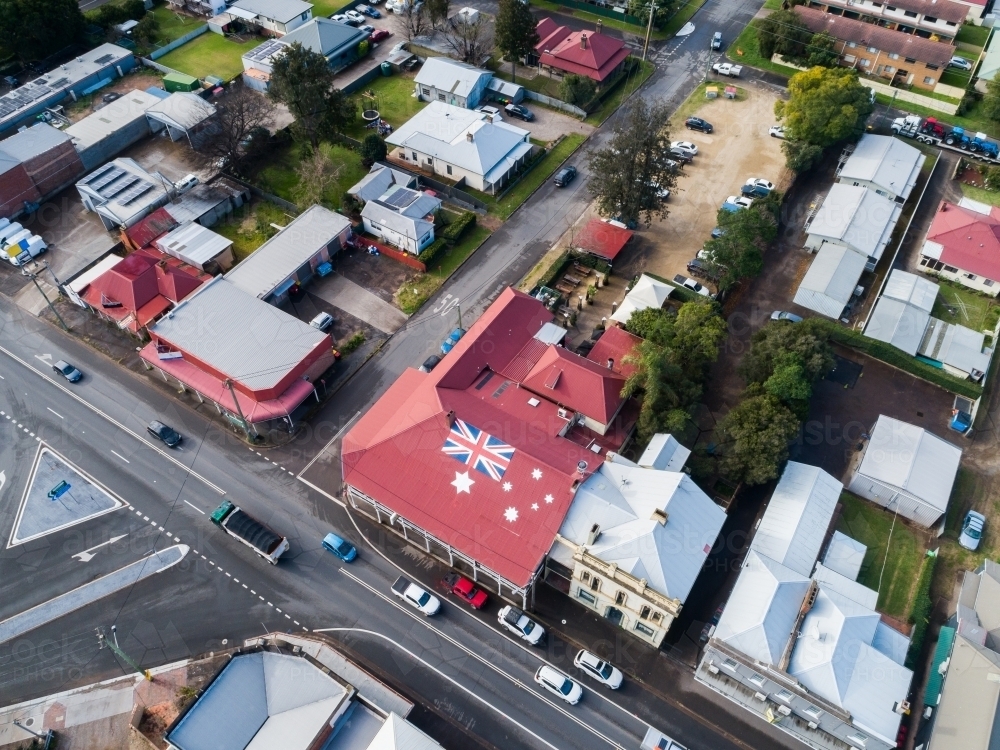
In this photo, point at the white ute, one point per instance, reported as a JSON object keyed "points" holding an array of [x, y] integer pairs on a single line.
{"points": [[728, 69], [520, 625], [415, 596]]}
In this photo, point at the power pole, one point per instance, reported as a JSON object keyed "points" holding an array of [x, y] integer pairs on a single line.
{"points": [[649, 30], [243, 420], [45, 297], [103, 641], [48, 736], [459, 315]]}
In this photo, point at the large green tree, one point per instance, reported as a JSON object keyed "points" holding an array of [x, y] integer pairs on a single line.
{"points": [[631, 174], [822, 50], [991, 100], [302, 80], [739, 252], [757, 432], [373, 149], [578, 90], [35, 29], [515, 31], [664, 9], [808, 342], [783, 33]]}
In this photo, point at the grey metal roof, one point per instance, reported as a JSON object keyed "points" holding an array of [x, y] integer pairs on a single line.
{"points": [[282, 255], [845, 586], [33, 141], [857, 217], [110, 118], [238, 334], [409, 227], [378, 180], [198, 201], [193, 244], [956, 346], [121, 189], [912, 289], [897, 323], [181, 109], [449, 75], [831, 279], [281, 11], [665, 453], [324, 36], [886, 162], [845, 555]]}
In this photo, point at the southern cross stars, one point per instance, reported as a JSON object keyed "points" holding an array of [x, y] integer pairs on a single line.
{"points": [[462, 482]]}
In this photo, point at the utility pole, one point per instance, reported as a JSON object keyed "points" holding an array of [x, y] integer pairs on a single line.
{"points": [[649, 30], [103, 641], [243, 420], [38, 286], [459, 315], [48, 736]]}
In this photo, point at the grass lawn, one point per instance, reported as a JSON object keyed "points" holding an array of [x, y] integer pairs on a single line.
{"points": [[956, 77], [326, 8], [697, 99], [393, 99], [746, 51], [250, 229], [414, 293], [209, 55], [637, 76], [681, 17], [989, 197], [957, 304], [538, 175], [608, 22], [281, 177], [173, 25], [870, 524], [772, 5], [974, 35]]}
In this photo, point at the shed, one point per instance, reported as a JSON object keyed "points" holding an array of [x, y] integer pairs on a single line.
{"points": [[101, 136], [180, 82], [605, 239], [831, 280], [183, 114], [197, 246]]}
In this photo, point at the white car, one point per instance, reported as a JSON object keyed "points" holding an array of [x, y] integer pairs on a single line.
{"points": [[739, 201], [686, 146], [491, 111], [972, 530], [186, 183], [367, 28], [339, 17], [691, 284], [559, 684], [322, 321], [355, 16], [758, 182], [960, 62], [520, 625], [416, 597], [776, 131], [661, 192], [599, 669]]}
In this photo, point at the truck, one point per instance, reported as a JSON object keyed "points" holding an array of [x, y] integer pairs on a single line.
{"points": [[415, 596], [932, 132], [728, 69], [242, 526]]}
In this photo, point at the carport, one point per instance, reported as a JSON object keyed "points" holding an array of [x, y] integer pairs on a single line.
{"points": [[183, 113], [605, 239]]}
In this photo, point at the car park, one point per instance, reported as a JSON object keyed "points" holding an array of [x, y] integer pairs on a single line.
{"points": [[67, 370], [972, 530], [696, 123], [521, 113], [341, 18], [680, 155], [514, 620], [339, 547], [416, 597], [430, 363], [465, 590], [166, 434], [559, 684], [355, 16], [322, 321], [776, 131], [593, 666], [685, 146], [782, 315], [564, 176], [379, 34], [736, 203], [717, 40], [691, 284], [959, 62]]}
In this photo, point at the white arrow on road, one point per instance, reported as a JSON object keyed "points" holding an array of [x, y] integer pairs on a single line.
{"points": [[46, 358], [3, 480], [88, 554]]}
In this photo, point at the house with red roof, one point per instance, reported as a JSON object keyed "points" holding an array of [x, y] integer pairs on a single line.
{"points": [[963, 245], [584, 53]]}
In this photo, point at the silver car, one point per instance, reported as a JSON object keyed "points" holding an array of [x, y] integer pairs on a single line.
{"points": [[593, 666], [972, 530]]}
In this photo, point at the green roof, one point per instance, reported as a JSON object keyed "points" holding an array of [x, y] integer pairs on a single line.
{"points": [[941, 652]]}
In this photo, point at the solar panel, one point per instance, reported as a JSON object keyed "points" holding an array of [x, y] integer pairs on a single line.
{"points": [[118, 186], [103, 59], [59, 84], [265, 50], [135, 191], [401, 199], [105, 178]]}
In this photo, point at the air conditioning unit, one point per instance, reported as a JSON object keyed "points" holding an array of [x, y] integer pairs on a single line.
{"points": [[760, 696], [784, 710], [813, 725], [713, 669]]}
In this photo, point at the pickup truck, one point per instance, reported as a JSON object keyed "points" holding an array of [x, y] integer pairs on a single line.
{"points": [[415, 596], [521, 625], [465, 590], [728, 69], [242, 526]]}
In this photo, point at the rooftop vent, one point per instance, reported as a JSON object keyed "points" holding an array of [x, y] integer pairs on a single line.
{"points": [[660, 516]]}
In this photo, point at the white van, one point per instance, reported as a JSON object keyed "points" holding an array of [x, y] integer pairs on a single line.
{"points": [[23, 241]]}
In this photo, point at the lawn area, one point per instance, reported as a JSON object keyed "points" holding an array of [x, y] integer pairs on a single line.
{"points": [[209, 55], [772, 5], [394, 100], [697, 99], [746, 51], [870, 525], [280, 176], [956, 77], [173, 25], [326, 8], [989, 197], [636, 77], [414, 293], [609, 22], [972, 34], [250, 229], [681, 17], [956, 304]]}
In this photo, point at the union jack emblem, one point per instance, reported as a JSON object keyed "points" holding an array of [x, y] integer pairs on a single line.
{"points": [[478, 449]]}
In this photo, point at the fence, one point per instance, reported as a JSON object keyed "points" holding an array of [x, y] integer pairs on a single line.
{"points": [[403, 257], [271, 197], [179, 41], [602, 10], [548, 101], [156, 66], [365, 78]]}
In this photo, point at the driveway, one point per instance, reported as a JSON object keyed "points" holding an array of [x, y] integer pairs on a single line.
{"points": [[548, 123], [355, 299]]}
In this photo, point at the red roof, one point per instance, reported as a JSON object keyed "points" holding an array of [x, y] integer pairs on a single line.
{"points": [[585, 53], [473, 455], [577, 383], [602, 238], [151, 228], [615, 344], [970, 240]]}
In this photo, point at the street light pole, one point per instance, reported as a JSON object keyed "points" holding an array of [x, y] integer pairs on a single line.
{"points": [[243, 420], [649, 30], [103, 641]]}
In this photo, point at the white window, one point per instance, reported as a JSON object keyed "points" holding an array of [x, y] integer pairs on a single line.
{"points": [[620, 598], [644, 629], [813, 712], [873, 50], [849, 58], [757, 679], [425, 91], [585, 576], [857, 739], [865, 63], [852, 45], [729, 664], [893, 56], [987, 282], [441, 97], [889, 69], [784, 695], [586, 596], [929, 81], [415, 156]]}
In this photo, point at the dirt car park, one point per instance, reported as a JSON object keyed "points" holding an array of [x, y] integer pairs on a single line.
{"points": [[737, 149], [548, 123]]}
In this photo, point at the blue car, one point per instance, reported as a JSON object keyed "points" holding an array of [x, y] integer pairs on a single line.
{"points": [[341, 548], [368, 11]]}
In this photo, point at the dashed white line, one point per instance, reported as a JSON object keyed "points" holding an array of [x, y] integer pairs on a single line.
{"points": [[121, 457], [56, 413], [200, 511], [275, 609], [145, 518], [244, 585]]}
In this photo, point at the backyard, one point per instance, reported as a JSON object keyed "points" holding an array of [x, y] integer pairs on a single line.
{"points": [[249, 228], [392, 97], [210, 55], [173, 25], [281, 175], [956, 304]]}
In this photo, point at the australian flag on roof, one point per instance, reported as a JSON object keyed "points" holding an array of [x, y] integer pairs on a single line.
{"points": [[478, 449]]}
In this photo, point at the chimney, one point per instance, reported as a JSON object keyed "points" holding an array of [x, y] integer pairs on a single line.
{"points": [[611, 363], [660, 516], [583, 41], [468, 136], [593, 535], [600, 25]]}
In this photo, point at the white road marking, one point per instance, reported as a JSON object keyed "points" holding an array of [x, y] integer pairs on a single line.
{"points": [[200, 511], [56, 413], [46, 358], [89, 554], [121, 457], [3, 479]]}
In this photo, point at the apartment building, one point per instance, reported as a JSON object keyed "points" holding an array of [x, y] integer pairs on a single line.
{"points": [[938, 20]]}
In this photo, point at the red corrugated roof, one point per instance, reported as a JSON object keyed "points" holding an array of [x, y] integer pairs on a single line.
{"points": [[603, 239], [586, 53], [971, 240], [502, 500], [157, 224], [577, 383], [616, 343]]}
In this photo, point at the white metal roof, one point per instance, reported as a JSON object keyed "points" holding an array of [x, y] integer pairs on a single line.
{"points": [[912, 289], [182, 110], [647, 292], [81, 282], [410, 227], [898, 323], [955, 345], [281, 11], [398, 734], [449, 75], [831, 279], [110, 118], [846, 586], [911, 458], [886, 162], [374, 184], [664, 453], [845, 555], [193, 244], [798, 515], [32, 142], [857, 217], [278, 258]]}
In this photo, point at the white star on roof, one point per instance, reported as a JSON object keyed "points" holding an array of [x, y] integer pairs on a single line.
{"points": [[462, 482], [510, 514], [549, 499], [536, 474], [507, 486], [534, 506]]}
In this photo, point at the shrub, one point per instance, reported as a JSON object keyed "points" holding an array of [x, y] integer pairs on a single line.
{"points": [[577, 90], [554, 270], [432, 251], [454, 231], [352, 343], [920, 614]]}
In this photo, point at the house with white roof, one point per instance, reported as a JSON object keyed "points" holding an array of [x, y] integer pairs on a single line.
{"points": [[197, 246], [402, 217], [442, 79], [636, 538], [856, 218], [883, 164], [831, 281], [271, 17], [906, 469], [461, 145], [804, 648]]}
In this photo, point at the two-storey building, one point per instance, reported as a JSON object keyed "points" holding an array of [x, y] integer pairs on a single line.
{"points": [[939, 20]]}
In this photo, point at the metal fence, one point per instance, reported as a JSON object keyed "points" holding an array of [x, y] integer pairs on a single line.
{"points": [[178, 42], [559, 104]]}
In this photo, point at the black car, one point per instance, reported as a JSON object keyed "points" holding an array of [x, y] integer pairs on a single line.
{"points": [[565, 176], [67, 371], [682, 156], [170, 437], [696, 123], [112, 97], [522, 113], [430, 363]]}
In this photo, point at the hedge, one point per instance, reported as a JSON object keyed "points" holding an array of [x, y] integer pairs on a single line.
{"points": [[554, 270], [920, 613], [454, 231], [897, 358], [432, 251]]}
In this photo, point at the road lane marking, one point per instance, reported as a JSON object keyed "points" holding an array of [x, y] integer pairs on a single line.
{"points": [[197, 509], [120, 456], [89, 554], [56, 413]]}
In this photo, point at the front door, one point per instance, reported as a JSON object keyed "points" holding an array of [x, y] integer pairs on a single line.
{"points": [[614, 615]]}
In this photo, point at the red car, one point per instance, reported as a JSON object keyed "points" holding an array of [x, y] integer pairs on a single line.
{"points": [[465, 590], [378, 35]]}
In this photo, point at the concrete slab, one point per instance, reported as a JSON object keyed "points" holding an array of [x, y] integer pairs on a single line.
{"points": [[359, 302], [41, 512]]}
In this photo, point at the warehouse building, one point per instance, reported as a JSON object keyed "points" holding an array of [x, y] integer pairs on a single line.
{"points": [[100, 137], [121, 193], [34, 164]]}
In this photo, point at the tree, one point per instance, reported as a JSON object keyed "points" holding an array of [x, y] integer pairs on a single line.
{"points": [[664, 9], [826, 106], [801, 156], [770, 347], [373, 149], [110, 14], [302, 80], [35, 29], [647, 323], [991, 101], [739, 252], [241, 129], [145, 32], [578, 90], [783, 33], [316, 173], [412, 19], [515, 32], [471, 41], [822, 51], [437, 12], [758, 431], [630, 176], [790, 384]]}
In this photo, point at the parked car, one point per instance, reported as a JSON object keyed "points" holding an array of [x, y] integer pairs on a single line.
{"points": [[367, 28], [717, 40], [559, 684], [691, 284], [521, 113], [761, 183], [708, 630], [11, 81], [378, 35], [593, 666], [960, 62], [416, 597], [67, 370], [685, 146], [776, 131], [681, 155], [322, 321], [342, 18], [339, 547], [661, 192], [168, 435], [358, 18], [972, 530], [430, 363], [489, 110], [111, 97], [368, 11], [782, 315], [728, 69], [564, 176], [514, 620], [700, 267], [696, 123], [736, 203], [672, 166], [465, 590], [717, 232], [186, 183]]}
